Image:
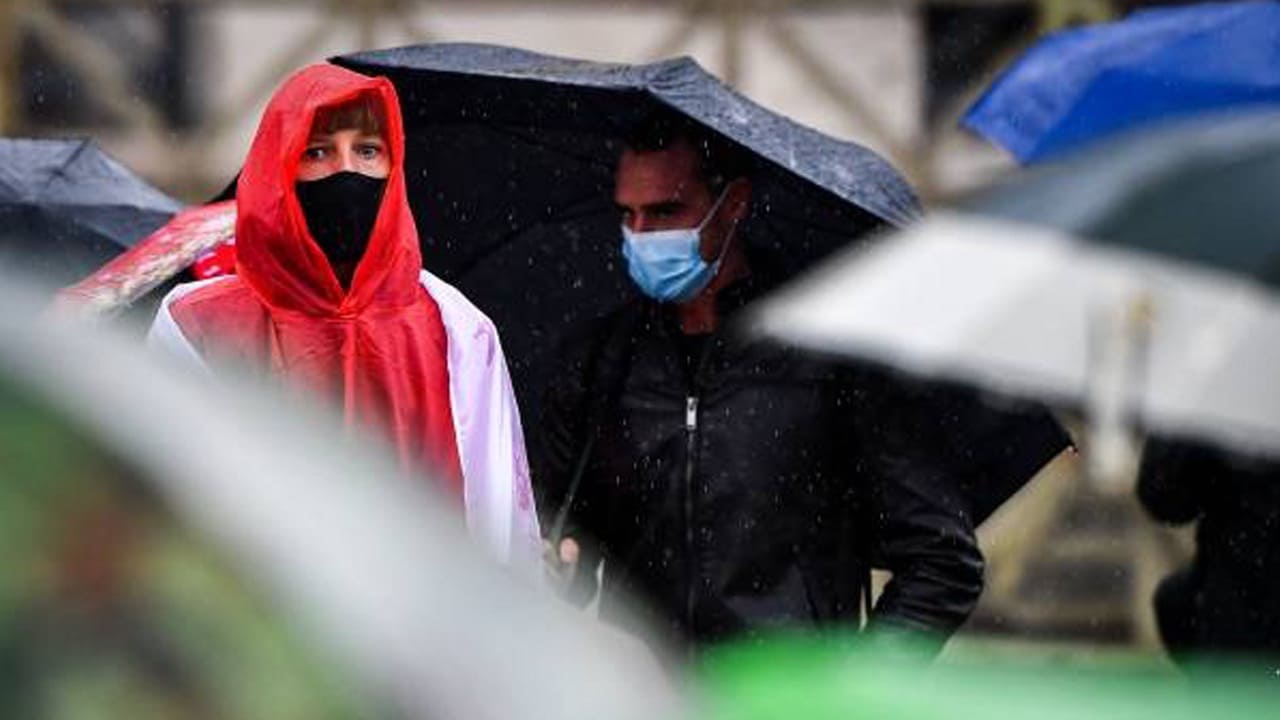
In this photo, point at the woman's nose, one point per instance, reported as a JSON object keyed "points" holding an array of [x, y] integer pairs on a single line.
{"points": [[346, 159]]}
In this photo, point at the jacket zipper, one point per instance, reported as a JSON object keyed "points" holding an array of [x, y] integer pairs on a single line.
{"points": [[691, 460], [691, 434]]}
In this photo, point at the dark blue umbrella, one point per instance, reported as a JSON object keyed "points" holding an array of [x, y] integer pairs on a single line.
{"points": [[66, 208], [1078, 85]]}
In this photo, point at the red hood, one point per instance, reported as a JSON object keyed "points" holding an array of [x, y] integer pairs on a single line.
{"points": [[276, 254], [380, 351]]}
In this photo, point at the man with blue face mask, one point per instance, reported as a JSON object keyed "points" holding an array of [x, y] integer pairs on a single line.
{"points": [[728, 483], [678, 225], [668, 264]]}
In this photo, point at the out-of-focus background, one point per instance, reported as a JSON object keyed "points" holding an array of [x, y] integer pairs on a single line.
{"points": [[174, 87]]}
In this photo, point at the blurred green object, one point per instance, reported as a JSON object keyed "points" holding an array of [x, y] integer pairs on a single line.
{"points": [[110, 607], [825, 678]]}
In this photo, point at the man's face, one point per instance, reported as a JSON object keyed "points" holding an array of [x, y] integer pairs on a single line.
{"points": [[662, 190], [354, 150]]}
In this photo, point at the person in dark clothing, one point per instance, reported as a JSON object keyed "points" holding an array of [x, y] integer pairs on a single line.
{"points": [[1228, 599], [731, 484]]}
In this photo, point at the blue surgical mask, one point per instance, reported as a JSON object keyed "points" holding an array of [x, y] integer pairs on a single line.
{"points": [[666, 264]]}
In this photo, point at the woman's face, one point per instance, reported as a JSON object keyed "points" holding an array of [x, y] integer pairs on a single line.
{"points": [[354, 150]]}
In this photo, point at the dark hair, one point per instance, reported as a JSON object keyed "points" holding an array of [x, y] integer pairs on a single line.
{"points": [[364, 113], [720, 161]]}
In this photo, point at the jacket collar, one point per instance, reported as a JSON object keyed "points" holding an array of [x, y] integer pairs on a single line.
{"points": [[729, 302]]}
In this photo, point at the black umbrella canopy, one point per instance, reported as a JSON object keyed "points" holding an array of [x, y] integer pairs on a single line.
{"points": [[66, 208], [1202, 192], [510, 164]]}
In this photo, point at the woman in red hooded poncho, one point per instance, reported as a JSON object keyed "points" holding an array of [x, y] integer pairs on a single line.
{"points": [[395, 347]]}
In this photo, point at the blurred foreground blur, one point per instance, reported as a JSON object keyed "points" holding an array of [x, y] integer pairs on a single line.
{"points": [[179, 550], [174, 550]]}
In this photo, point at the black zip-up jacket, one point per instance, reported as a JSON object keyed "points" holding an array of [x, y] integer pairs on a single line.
{"points": [[752, 485]]}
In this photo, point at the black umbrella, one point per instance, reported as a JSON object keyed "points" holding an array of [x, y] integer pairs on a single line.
{"points": [[510, 164], [66, 208], [510, 159]]}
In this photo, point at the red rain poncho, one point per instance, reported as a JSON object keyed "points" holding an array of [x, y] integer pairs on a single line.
{"points": [[378, 350]]}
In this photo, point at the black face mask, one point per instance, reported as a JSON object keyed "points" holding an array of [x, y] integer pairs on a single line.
{"points": [[340, 210]]}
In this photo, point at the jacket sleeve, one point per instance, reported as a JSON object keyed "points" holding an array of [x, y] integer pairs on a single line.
{"points": [[570, 405], [560, 437], [923, 522], [1173, 479], [556, 450]]}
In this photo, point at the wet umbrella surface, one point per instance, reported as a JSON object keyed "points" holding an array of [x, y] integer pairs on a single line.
{"points": [[66, 208]]}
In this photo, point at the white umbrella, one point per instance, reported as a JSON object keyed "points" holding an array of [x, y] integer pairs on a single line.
{"points": [[1030, 311]]}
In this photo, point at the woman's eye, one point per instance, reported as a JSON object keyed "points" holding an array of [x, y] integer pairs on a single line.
{"points": [[369, 152], [314, 153]]}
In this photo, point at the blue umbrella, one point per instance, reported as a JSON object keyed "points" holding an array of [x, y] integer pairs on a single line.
{"points": [[1083, 84]]}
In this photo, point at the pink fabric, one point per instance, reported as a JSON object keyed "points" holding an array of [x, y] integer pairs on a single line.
{"points": [[495, 468]]}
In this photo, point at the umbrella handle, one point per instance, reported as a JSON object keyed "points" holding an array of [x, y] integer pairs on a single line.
{"points": [[562, 515], [1119, 343]]}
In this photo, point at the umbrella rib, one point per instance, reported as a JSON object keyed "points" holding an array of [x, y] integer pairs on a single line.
{"points": [[61, 171]]}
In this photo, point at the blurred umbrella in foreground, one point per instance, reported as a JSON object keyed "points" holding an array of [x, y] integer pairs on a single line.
{"points": [[510, 159], [66, 208], [826, 679], [1083, 84], [155, 259], [148, 571], [1136, 281]]}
